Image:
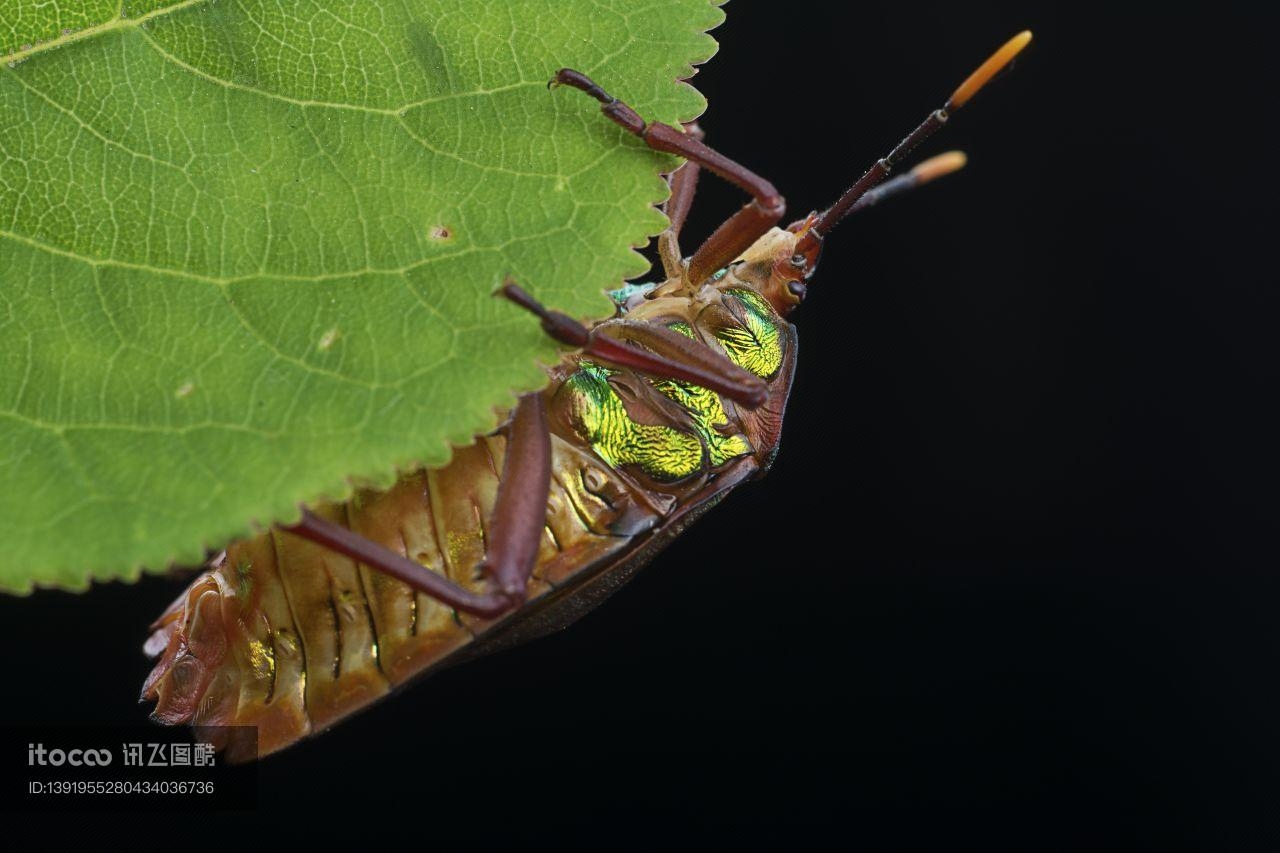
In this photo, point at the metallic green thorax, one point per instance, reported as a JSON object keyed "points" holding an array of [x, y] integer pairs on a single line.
{"points": [[664, 453], [708, 438], [709, 418], [757, 345]]}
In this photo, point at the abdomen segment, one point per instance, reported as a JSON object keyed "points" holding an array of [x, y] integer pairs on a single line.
{"points": [[290, 637]]}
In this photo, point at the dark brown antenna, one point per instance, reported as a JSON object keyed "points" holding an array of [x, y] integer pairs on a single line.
{"points": [[877, 173]]}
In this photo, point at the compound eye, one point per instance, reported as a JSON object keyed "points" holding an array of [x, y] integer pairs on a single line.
{"points": [[797, 289]]}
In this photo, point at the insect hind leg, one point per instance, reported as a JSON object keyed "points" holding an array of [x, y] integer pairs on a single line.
{"points": [[516, 526]]}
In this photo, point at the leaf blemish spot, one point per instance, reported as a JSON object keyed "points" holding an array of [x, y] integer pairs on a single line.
{"points": [[327, 339], [439, 232], [184, 390]]}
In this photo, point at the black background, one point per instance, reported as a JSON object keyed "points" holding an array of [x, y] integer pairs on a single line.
{"points": [[1011, 580]]}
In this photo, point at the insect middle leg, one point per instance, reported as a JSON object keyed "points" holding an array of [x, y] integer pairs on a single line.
{"points": [[649, 348], [519, 512], [515, 526], [739, 231]]}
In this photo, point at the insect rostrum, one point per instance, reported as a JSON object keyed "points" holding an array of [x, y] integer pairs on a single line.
{"points": [[652, 418]]}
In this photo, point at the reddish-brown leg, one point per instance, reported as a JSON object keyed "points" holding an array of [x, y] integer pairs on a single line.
{"points": [[515, 527], [684, 183], [737, 233], [649, 348]]}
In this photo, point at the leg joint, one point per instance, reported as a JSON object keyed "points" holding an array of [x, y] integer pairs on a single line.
{"points": [[772, 205]]}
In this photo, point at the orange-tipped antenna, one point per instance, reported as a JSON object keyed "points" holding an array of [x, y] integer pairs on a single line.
{"points": [[993, 66], [975, 81], [940, 166], [929, 170]]}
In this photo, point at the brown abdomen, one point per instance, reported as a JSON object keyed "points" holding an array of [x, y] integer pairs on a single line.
{"points": [[290, 637]]}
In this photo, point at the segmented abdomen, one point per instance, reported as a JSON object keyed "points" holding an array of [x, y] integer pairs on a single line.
{"points": [[288, 636]]}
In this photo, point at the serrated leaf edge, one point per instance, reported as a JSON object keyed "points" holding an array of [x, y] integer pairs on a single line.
{"points": [[344, 489]]}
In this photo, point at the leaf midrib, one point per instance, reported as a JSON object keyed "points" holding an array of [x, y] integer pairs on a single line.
{"points": [[119, 22]]}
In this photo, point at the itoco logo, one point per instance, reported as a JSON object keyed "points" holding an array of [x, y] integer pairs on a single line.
{"points": [[37, 754]]}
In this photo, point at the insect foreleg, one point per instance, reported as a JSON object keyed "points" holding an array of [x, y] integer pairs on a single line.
{"points": [[515, 527], [684, 183], [736, 235], [648, 348]]}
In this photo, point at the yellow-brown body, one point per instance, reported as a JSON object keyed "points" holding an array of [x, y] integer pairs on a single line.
{"points": [[288, 636]]}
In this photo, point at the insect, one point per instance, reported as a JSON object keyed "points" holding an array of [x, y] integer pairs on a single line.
{"points": [[647, 423]]}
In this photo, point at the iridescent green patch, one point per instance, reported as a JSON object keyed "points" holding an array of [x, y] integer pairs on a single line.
{"points": [[709, 417], [623, 294], [664, 453], [757, 346]]}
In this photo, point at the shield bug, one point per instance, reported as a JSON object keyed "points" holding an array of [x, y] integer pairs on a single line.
{"points": [[651, 418]]}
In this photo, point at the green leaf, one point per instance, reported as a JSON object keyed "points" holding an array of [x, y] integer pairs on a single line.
{"points": [[247, 247]]}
